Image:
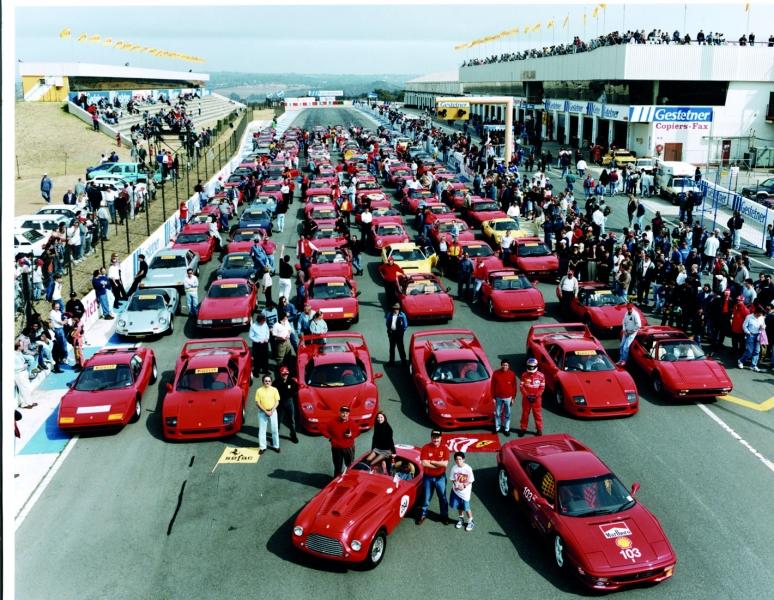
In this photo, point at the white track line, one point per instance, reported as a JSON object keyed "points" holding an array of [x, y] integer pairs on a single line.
{"points": [[43, 484], [737, 437]]}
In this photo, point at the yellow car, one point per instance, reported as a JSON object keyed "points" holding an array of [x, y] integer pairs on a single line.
{"points": [[495, 229], [622, 158], [410, 257]]}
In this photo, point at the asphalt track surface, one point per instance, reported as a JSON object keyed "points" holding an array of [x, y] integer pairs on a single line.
{"points": [[131, 516]]}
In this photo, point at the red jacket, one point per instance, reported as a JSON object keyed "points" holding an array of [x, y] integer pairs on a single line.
{"points": [[532, 384], [504, 384], [337, 432], [738, 315]]}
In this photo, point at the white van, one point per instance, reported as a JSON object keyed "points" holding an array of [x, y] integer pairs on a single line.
{"points": [[674, 178]]}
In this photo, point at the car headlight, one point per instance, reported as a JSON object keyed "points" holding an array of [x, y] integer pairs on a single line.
{"points": [[579, 400], [229, 418], [204, 322], [163, 321], [122, 323], [298, 531], [438, 402], [238, 320], [220, 276], [370, 403], [355, 545], [171, 421], [307, 407], [631, 397]]}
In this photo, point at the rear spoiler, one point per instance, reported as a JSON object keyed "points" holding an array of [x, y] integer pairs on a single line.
{"points": [[117, 348], [540, 331], [444, 333], [237, 344], [341, 337]]}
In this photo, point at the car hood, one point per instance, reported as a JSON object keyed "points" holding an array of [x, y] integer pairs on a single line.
{"points": [[599, 540], [427, 303], [599, 388], [106, 401], [334, 308], [224, 308], [487, 215], [331, 270], [142, 319], [518, 298], [541, 263], [695, 373], [202, 409], [611, 316], [469, 398], [164, 277], [244, 246], [328, 400]]}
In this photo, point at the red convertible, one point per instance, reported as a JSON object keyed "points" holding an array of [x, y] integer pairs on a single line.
{"points": [[480, 210], [507, 294], [597, 530], [208, 396], [410, 202], [600, 308], [335, 369], [228, 303], [677, 366], [109, 390], [196, 237], [533, 258], [350, 518], [330, 262], [579, 373], [423, 296], [336, 297], [452, 376], [388, 231]]}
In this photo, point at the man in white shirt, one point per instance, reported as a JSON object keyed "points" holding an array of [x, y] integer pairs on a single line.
{"points": [[630, 325], [281, 332], [710, 250], [366, 218], [598, 218], [568, 287], [191, 288], [752, 327]]}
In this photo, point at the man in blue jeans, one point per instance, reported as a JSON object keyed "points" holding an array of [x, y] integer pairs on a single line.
{"points": [[101, 285], [435, 459]]}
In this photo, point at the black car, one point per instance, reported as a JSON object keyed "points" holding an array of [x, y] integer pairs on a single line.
{"points": [[237, 265], [763, 190]]}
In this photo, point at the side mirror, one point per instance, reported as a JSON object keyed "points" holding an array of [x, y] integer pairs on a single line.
{"points": [[378, 375], [70, 384], [169, 387], [358, 293], [448, 289], [635, 488]]}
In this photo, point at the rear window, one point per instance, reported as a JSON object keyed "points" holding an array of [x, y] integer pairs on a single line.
{"points": [[228, 290], [168, 261]]}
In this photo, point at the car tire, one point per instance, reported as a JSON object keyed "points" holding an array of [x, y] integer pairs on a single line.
{"points": [[356, 319], [657, 383], [559, 396], [137, 410], [503, 483], [376, 550], [154, 372], [171, 328], [560, 556], [244, 416], [491, 309]]}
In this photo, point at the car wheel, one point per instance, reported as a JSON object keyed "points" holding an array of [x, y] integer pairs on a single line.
{"points": [[137, 410], [490, 308], [658, 385], [244, 416], [154, 372], [171, 329], [356, 319], [559, 398], [559, 554], [376, 550], [251, 378], [503, 483]]}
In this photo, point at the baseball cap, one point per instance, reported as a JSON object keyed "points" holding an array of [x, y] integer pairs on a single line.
{"points": [[284, 370], [344, 409], [435, 434]]}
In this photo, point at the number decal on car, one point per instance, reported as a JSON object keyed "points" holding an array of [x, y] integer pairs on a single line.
{"points": [[404, 505], [528, 495], [631, 554]]}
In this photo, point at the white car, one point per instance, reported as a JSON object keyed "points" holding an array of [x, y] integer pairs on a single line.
{"points": [[43, 224], [67, 210], [29, 242]]}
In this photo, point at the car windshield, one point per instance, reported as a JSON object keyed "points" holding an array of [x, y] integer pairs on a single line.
{"points": [[330, 257], [319, 199], [271, 187], [103, 377], [602, 298], [511, 282], [424, 286], [228, 290], [682, 182], [254, 215], [438, 209], [389, 229], [205, 379], [146, 302], [412, 254], [35, 224], [368, 185], [587, 361], [323, 213], [330, 290], [57, 211], [246, 236], [168, 261], [336, 375], [602, 495], [475, 250], [484, 206], [192, 238], [421, 194], [326, 234], [384, 211], [679, 351], [447, 226], [237, 261], [234, 179], [459, 371], [504, 225], [533, 249]]}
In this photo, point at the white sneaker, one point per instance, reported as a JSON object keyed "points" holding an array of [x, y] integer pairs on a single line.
{"points": [[755, 369], [740, 365], [460, 523], [470, 525]]}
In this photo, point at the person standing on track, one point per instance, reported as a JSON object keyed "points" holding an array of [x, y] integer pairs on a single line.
{"points": [[503, 392], [532, 384], [259, 336], [630, 325], [267, 399], [435, 460], [288, 394], [342, 434], [397, 323], [191, 288]]}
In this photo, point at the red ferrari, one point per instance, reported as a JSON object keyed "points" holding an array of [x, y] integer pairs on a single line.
{"points": [[453, 378], [335, 369], [208, 396], [533, 258], [600, 308], [350, 518], [388, 231], [597, 530], [242, 239], [109, 390], [677, 366], [480, 210], [508, 295], [579, 373], [228, 303], [447, 225], [423, 297], [196, 237], [336, 297], [330, 262]]}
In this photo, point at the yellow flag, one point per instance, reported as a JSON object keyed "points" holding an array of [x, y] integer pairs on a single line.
{"points": [[83, 37], [118, 45], [537, 27], [65, 33], [550, 24], [107, 42], [527, 29], [603, 6], [95, 38], [566, 22], [595, 12]]}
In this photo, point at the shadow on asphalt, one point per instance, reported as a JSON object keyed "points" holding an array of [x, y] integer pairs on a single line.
{"points": [[315, 480], [410, 405], [153, 422]]}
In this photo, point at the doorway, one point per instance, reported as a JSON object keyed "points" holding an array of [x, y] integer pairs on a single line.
{"points": [[673, 152]]}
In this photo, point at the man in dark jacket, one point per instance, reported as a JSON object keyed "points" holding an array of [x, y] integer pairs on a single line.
{"points": [[464, 277], [397, 323], [288, 393]]}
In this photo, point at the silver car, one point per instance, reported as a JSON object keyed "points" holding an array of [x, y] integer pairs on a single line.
{"points": [[168, 268], [149, 312]]}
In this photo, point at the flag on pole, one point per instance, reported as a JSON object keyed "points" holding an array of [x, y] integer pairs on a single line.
{"points": [[527, 29], [595, 12], [65, 33], [746, 7], [566, 22], [537, 27], [550, 24], [584, 18], [603, 6], [83, 37]]}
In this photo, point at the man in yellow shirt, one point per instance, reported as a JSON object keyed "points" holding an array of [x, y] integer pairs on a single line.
{"points": [[267, 399]]}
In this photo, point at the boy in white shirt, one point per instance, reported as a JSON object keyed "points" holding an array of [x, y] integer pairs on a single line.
{"points": [[462, 485]]}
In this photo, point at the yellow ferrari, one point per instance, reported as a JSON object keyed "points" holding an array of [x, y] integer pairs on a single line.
{"points": [[410, 257], [495, 229], [622, 158]]}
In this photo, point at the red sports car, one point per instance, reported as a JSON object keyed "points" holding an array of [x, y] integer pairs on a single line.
{"points": [[600, 308], [388, 231], [447, 225], [436, 211], [580, 376], [410, 202], [453, 378], [480, 210], [242, 239], [228, 303], [327, 236], [349, 519], [532, 257], [509, 295], [109, 390], [335, 369], [476, 249], [196, 237], [370, 195], [336, 297], [319, 195], [330, 262], [208, 396], [320, 212], [423, 297], [676, 365], [598, 532]]}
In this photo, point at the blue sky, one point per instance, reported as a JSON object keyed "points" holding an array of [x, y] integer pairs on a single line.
{"points": [[345, 39]]}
